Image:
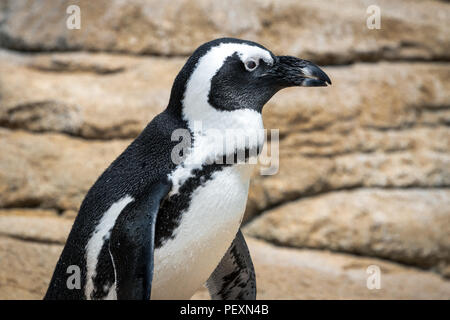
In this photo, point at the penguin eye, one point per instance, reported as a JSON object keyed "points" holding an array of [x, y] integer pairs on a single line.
{"points": [[251, 64]]}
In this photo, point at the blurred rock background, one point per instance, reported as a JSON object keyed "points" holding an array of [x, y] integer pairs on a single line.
{"points": [[364, 174]]}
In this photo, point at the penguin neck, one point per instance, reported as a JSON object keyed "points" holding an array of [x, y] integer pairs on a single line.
{"points": [[218, 134], [221, 138]]}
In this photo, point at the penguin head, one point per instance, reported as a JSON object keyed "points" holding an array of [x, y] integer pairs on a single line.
{"points": [[228, 75]]}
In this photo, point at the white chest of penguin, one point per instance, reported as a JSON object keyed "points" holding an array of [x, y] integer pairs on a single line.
{"points": [[206, 229]]}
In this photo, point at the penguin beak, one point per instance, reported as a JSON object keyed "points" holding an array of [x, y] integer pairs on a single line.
{"points": [[291, 71]]}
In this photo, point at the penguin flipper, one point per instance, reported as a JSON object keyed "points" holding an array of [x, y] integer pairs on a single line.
{"points": [[132, 243], [234, 277]]}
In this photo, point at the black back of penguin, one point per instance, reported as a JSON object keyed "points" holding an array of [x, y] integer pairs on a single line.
{"points": [[145, 161]]}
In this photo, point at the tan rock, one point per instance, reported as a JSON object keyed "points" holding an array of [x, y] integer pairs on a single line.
{"points": [[70, 214], [26, 268], [26, 212], [303, 176], [409, 29], [37, 229], [383, 125], [410, 226], [282, 273], [51, 170], [378, 96], [89, 95], [287, 273]]}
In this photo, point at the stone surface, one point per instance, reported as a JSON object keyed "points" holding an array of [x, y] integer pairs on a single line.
{"points": [[29, 249], [50, 170], [411, 226], [282, 273], [27, 212], [383, 125], [50, 230], [177, 27], [26, 268], [67, 93], [286, 273]]}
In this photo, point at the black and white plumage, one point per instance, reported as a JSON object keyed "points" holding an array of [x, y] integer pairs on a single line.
{"points": [[234, 277], [150, 227]]}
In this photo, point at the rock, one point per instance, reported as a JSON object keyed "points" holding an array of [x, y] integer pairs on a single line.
{"points": [[378, 96], [282, 273], [178, 27], [89, 95], [37, 229], [302, 176], [51, 170], [43, 116], [288, 273], [70, 214], [26, 212], [29, 249], [409, 226], [26, 268], [372, 128]]}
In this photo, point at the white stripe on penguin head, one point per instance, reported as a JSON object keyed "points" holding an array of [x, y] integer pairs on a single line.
{"points": [[195, 102]]}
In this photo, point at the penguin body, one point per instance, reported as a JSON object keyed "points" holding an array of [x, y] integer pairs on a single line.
{"points": [[155, 226], [186, 261]]}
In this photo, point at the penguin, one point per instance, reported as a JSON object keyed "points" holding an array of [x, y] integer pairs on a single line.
{"points": [[159, 226]]}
